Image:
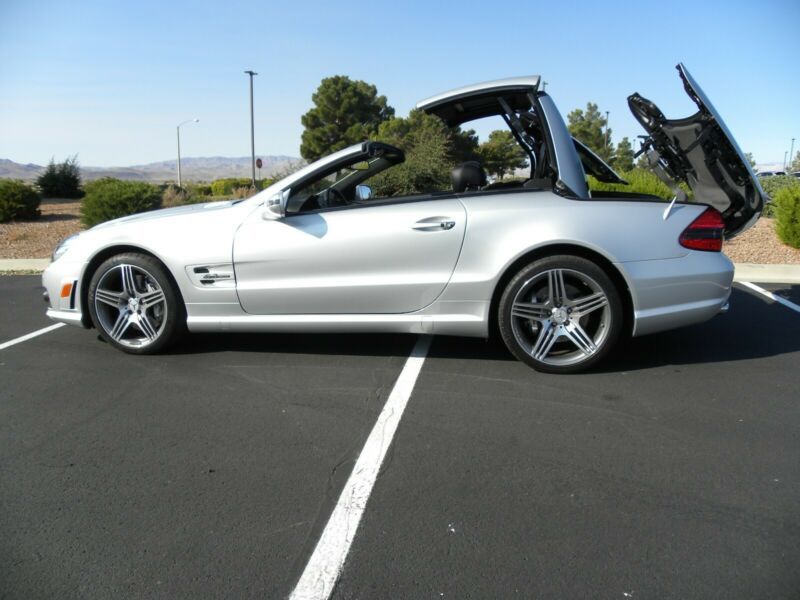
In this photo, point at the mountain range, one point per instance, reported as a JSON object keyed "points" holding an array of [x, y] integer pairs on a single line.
{"points": [[202, 168]]}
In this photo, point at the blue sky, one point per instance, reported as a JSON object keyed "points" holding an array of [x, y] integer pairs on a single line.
{"points": [[110, 80]]}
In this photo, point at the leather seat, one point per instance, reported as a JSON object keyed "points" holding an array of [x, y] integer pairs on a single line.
{"points": [[468, 177]]}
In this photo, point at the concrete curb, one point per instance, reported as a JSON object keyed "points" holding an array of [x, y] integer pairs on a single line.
{"points": [[744, 271], [767, 273], [24, 265]]}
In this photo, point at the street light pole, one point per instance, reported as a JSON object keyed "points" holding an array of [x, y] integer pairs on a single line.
{"points": [[252, 130], [180, 181], [791, 154], [607, 138], [784, 159]]}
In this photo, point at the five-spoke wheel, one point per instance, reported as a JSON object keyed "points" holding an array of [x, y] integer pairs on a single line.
{"points": [[133, 304], [560, 314]]}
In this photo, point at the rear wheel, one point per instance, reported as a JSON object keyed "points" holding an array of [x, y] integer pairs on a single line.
{"points": [[134, 304], [560, 314]]}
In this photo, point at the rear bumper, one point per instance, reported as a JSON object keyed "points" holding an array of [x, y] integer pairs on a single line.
{"points": [[677, 292]]}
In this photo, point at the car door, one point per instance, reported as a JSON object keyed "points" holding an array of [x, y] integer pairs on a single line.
{"points": [[389, 257]]}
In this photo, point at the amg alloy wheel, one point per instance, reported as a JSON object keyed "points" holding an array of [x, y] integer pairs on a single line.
{"points": [[560, 314], [133, 304]]}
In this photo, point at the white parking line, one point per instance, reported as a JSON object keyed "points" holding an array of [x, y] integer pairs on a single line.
{"points": [[771, 296], [325, 565], [28, 336]]}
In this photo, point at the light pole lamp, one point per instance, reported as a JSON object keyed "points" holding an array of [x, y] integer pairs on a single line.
{"points": [[252, 130], [180, 181]]}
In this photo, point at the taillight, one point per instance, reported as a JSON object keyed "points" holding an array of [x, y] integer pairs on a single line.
{"points": [[705, 232]]}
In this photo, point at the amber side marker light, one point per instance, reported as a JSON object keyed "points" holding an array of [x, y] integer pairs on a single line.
{"points": [[66, 290]]}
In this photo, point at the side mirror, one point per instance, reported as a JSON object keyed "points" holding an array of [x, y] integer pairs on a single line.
{"points": [[363, 192], [276, 205]]}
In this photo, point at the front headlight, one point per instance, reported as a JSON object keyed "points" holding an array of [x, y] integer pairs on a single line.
{"points": [[63, 246]]}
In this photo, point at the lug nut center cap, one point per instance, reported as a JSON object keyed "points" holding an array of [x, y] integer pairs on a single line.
{"points": [[560, 315]]}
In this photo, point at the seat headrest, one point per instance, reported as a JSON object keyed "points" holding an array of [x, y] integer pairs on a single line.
{"points": [[468, 176]]}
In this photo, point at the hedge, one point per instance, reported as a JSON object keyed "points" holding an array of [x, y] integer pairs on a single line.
{"points": [[228, 185], [110, 198], [641, 181], [225, 187], [787, 215], [18, 201]]}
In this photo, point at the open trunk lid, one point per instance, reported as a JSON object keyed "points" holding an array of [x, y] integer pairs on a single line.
{"points": [[702, 152]]}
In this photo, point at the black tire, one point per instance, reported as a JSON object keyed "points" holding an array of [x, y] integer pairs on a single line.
{"points": [[580, 278], [166, 320]]}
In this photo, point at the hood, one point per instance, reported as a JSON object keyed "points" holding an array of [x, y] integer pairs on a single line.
{"points": [[167, 212], [701, 151]]}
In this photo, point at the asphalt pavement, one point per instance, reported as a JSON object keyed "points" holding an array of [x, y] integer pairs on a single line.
{"points": [[672, 471]]}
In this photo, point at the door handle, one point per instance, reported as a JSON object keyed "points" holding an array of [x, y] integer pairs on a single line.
{"points": [[434, 224]]}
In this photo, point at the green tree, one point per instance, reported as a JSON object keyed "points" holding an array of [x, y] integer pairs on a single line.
{"points": [[345, 112], [465, 144], [750, 159], [430, 152], [61, 180], [623, 156], [590, 128], [501, 154]]}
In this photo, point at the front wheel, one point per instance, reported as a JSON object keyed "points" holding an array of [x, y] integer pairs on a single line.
{"points": [[134, 304], [560, 314]]}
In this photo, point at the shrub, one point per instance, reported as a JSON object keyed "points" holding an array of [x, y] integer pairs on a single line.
{"points": [[17, 201], [225, 186], [62, 180], [174, 196], [772, 185], [110, 198], [787, 215], [641, 181], [198, 189], [244, 192]]}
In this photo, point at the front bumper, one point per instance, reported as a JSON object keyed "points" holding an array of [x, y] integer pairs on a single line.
{"points": [[62, 284], [677, 292]]}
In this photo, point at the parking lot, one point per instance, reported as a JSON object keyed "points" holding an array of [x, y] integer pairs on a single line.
{"points": [[673, 471]]}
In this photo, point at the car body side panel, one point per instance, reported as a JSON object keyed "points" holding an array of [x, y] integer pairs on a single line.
{"points": [[380, 259]]}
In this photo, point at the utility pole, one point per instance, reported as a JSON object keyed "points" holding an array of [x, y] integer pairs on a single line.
{"points": [[791, 154], [784, 159], [607, 131], [180, 181], [252, 130]]}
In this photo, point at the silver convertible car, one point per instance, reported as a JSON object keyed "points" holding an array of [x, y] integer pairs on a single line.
{"points": [[560, 272]]}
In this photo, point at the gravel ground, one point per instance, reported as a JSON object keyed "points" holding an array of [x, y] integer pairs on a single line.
{"points": [[61, 218], [761, 245], [36, 239]]}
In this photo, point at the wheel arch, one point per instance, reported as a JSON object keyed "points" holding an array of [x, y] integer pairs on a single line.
{"points": [[571, 249], [99, 258]]}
